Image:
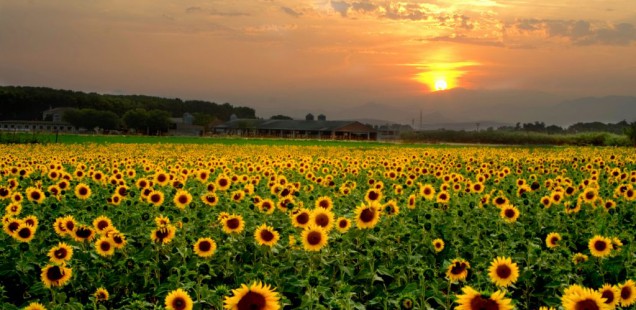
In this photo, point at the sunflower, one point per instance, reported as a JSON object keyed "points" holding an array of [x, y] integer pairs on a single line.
{"points": [[32, 221], [163, 234], [500, 201], [609, 204], [617, 243], [323, 218], [509, 213], [156, 198], [314, 238], [101, 294], [556, 197], [223, 183], [411, 202], [266, 235], [82, 191], [24, 233], [589, 195], [118, 239], [61, 253], [552, 240], [35, 306], [210, 199], [104, 246], [13, 209], [233, 224], [473, 300], [343, 224], [53, 275], [373, 195], [367, 216], [161, 178], [438, 245], [391, 208], [267, 206], [16, 197], [102, 224], [255, 296], [205, 247], [611, 293], [583, 298], [182, 199], [443, 197], [237, 195], [427, 191], [4, 192], [546, 201], [546, 308], [162, 221], [600, 246], [579, 258], [503, 271], [178, 300], [477, 187], [458, 270], [324, 202], [83, 233], [628, 293], [59, 226], [35, 195]]}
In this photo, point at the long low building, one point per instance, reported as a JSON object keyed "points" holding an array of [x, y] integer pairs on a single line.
{"points": [[298, 129]]}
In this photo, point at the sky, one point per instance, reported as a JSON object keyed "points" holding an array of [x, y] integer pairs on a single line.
{"points": [[375, 58]]}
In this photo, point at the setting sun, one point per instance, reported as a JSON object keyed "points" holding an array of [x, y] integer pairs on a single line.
{"points": [[441, 85]]}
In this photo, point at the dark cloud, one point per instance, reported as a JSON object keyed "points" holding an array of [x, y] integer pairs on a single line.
{"points": [[291, 11], [194, 9], [465, 40], [341, 7], [228, 14], [581, 32], [364, 6]]}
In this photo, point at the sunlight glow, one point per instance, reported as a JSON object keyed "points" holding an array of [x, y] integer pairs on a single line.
{"points": [[442, 75], [441, 85]]}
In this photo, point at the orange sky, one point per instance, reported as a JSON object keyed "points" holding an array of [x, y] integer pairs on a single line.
{"points": [[291, 56]]}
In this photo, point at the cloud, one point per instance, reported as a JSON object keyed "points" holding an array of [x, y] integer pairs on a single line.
{"points": [[340, 7], [291, 11], [579, 32], [462, 39], [194, 9]]}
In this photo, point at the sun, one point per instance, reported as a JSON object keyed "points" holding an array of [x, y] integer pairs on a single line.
{"points": [[440, 84]]}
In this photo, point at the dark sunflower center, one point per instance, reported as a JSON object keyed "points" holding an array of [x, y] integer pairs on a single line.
{"points": [[367, 215], [266, 206], [252, 301], [314, 238], [509, 213], [324, 204], [183, 199], [285, 192], [236, 196], [4, 192], [427, 191], [589, 195], [556, 197], [554, 240], [342, 224], [373, 195], [443, 197], [179, 303], [35, 195], [161, 233], [223, 182], [477, 187], [608, 295], [302, 218], [600, 245], [13, 226], [500, 201], [458, 268], [322, 220], [205, 246], [83, 191], [479, 303], [70, 225], [60, 253], [101, 296], [586, 304], [118, 239], [161, 178], [503, 271], [233, 223], [24, 233], [155, 198], [267, 235], [83, 232], [210, 199], [54, 273], [626, 293], [102, 224], [104, 246]]}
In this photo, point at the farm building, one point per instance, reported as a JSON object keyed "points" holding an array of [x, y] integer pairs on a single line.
{"points": [[299, 129]]}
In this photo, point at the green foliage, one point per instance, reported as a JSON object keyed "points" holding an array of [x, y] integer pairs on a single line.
{"points": [[91, 118], [150, 122], [631, 133], [516, 138], [282, 117]]}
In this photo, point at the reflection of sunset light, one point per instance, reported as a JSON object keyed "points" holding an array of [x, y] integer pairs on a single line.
{"points": [[442, 75]]}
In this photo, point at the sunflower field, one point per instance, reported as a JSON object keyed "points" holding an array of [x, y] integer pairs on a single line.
{"points": [[169, 226]]}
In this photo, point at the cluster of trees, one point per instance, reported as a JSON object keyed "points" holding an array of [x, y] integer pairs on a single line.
{"points": [[28, 103], [617, 128]]}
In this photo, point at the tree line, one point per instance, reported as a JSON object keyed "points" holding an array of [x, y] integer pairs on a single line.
{"points": [[143, 113]]}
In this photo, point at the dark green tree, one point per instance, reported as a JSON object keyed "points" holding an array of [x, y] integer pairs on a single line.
{"points": [[630, 131], [158, 121], [136, 119], [279, 116]]}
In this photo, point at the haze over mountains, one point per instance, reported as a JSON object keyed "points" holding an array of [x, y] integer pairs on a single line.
{"points": [[489, 108]]}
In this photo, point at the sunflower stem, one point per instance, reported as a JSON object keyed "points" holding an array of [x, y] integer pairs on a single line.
{"points": [[448, 293]]}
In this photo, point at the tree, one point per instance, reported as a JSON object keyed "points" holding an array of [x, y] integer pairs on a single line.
{"points": [[279, 116], [136, 119], [91, 118], [631, 132], [158, 121]]}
